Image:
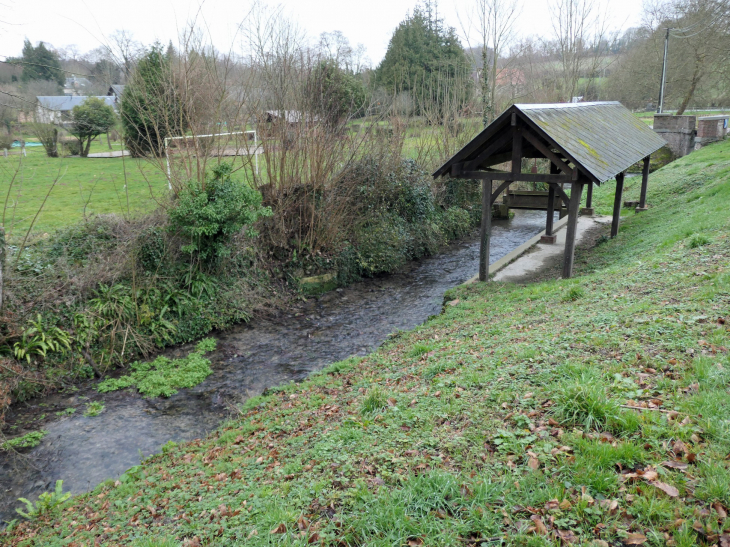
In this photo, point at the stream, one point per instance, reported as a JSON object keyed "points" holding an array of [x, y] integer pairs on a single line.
{"points": [[84, 451]]}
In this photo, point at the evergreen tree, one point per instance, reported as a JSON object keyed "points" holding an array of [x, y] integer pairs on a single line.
{"points": [[150, 106], [425, 58], [39, 63]]}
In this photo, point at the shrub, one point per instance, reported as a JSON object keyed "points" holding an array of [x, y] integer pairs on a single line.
{"points": [[583, 401], [698, 240], [209, 214], [383, 245], [47, 503], [374, 400]]}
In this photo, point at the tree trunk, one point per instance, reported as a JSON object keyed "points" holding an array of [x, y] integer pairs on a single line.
{"points": [[696, 77], [485, 88], [85, 149]]}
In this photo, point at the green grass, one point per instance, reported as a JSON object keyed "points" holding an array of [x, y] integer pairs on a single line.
{"points": [[510, 418], [86, 186]]}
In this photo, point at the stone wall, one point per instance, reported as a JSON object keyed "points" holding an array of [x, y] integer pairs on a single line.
{"points": [[711, 129], [678, 131]]}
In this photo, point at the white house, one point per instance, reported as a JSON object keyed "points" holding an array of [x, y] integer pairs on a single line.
{"points": [[57, 109]]}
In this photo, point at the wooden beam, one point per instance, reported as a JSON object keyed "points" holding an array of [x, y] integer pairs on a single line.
{"points": [[502, 188], [571, 229], [561, 193], [644, 183], [549, 154], [522, 177], [550, 210], [486, 230], [516, 151], [617, 204], [491, 149]]}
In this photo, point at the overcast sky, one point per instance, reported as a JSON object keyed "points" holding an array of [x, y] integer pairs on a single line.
{"points": [[87, 24]]}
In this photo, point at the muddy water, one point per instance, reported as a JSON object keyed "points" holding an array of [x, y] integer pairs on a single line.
{"points": [[84, 451]]}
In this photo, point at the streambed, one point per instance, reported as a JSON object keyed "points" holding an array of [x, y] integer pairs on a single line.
{"points": [[84, 451]]}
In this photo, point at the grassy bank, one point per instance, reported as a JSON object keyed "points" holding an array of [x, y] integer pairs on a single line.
{"points": [[593, 409]]}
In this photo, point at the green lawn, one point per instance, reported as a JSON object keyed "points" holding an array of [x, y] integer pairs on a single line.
{"points": [[591, 411], [85, 186]]}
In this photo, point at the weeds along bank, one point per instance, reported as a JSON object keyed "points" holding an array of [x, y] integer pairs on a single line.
{"points": [[101, 293], [593, 409]]}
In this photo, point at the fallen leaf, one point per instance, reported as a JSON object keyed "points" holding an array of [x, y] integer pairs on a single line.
{"points": [[679, 448], [609, 505], [551, 505], [721, 511], [635, 538], [566, 537], [454, 302], [392, 401], [565, 505], [691, 457], [437, 394], [302, 523], [540, 528], [533, 463], [668, 489], [313, 538], [281, 529], [415, 542], [675, 465]]}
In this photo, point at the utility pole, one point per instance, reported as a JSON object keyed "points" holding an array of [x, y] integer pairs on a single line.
{"points": [[660, 108]]}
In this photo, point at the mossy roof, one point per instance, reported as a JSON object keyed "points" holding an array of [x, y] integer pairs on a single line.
{"points": [[601, 138]]}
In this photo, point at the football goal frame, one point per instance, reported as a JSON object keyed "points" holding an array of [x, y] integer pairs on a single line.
{"points": [[186, 137]]}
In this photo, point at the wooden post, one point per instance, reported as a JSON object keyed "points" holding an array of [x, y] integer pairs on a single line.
{"points": [[486, 230], [644, 183], [549, 237], [588, 210], [573, 209], [617, 204]]}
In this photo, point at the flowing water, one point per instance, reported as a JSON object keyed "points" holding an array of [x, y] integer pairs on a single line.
{"points": [[83, 451]]}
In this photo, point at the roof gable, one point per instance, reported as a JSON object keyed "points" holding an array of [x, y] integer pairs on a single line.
{"points": [[602, 139], [66, 102]]}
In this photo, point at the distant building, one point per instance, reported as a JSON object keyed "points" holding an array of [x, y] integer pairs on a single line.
{"points": [[57, 109], [75, 86], [115, 90]]}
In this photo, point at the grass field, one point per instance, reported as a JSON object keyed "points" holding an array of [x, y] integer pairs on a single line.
{"points": [[86, 186], [590, 411]]}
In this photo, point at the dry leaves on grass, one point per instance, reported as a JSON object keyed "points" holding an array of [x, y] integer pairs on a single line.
{"points": [[635, 538], [668, 489]]}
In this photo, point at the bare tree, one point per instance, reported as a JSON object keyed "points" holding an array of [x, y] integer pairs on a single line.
{"points": [[581, 43], [699, 42], [494, 21]]}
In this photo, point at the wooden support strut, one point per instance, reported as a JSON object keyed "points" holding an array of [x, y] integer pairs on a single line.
{"points": [[486, 230], [644, 184], [572, 228], [617, 204]]}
